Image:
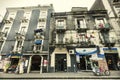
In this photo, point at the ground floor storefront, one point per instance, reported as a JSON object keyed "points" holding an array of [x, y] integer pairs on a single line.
{"points": [[28, 63], [65, 60], [82, 59]]}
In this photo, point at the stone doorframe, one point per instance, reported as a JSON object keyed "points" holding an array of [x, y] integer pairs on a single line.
{"points": [[29, 64]]}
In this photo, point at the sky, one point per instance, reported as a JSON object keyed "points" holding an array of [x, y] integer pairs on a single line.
{"points": [[59, 5]]}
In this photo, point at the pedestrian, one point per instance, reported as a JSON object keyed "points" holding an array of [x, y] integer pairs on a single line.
{"points": [[118, 64], [6, 64], [21, 66]]}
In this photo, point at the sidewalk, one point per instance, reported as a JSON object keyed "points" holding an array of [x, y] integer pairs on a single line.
{"points": [[67, 75]]}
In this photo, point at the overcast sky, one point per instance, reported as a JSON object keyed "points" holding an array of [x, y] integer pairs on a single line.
{"points": [[59, 5]]}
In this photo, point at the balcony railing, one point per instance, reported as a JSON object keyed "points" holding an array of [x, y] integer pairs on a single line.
{"points": [[109, 42], [19, 36], [116, 2], [104, 27], [82, 27], [60, 28], [2, 35]]}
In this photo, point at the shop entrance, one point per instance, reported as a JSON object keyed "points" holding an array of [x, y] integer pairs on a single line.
{"points": [[60, 62], [85, 63], [14, 61], [111, 60], [36, 63]]}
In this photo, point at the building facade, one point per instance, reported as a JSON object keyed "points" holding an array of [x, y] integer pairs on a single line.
{"points": [[113, 8], [24, 34], [81, 39], [51, 41]]}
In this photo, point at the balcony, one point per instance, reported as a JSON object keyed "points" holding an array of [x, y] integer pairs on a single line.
{"points": [[37, 48], [91, 44], [82, 28], [24, 20], [2, 35], [7, 21], [116, 2], [104, 27], [19, 36], [60, 43], [110, 42], [38, 30], [60, 29]]}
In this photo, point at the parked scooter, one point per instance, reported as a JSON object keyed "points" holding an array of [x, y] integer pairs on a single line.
{"points": [[98, 72]]}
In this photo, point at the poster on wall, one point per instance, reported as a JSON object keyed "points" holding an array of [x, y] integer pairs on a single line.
{"points": [[103, 64], [1, 64]]}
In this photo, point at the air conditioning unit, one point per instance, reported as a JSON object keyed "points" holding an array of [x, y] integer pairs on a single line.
{"points": [[71, 51]]}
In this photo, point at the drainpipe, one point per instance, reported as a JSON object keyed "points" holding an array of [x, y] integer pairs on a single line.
{"points": [[41, 68]]}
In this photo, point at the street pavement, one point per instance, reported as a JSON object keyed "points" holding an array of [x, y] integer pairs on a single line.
{"points": [[115, 75]]}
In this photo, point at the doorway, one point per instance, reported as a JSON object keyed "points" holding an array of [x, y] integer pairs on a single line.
{"points": [[36, 63], [85, 63], [14, 61], [111, 59], [60, 62]]}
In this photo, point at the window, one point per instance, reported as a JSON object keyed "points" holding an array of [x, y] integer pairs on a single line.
{"points": [[81, 23], [22, 31], [6, 31], [43, 14], [19, 44], [60, 22], [100, 20]]}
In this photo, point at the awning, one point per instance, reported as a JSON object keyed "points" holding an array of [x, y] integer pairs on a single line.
{"points": [[100, 55], [109, 48], [86, 51], [38, 42], [38, 30], [14, 55]]}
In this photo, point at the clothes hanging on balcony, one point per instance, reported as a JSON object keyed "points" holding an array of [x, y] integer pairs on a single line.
{"points": [[101, 25], [107, 25], [38, 42], [38, 30]]}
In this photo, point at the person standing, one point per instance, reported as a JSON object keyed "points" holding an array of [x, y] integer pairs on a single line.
{"points": [[118, 64], [6, 64]]}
